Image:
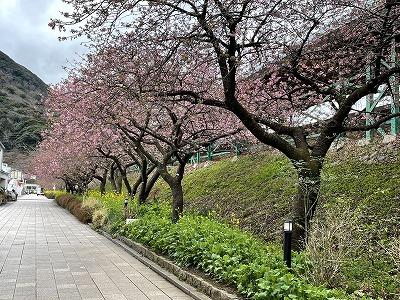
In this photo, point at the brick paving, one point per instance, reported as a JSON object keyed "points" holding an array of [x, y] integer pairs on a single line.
{"points": [[45, 253]]}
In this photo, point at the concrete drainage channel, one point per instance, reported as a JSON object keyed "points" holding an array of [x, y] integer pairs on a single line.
{"points": [[189, 283]]}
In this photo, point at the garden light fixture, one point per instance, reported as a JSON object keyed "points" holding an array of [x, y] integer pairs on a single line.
{"points": [[126, 208], [288, 225], [287, 242]]}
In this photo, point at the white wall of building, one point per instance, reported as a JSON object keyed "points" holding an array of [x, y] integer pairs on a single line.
{"points": [[3, 168], [1, 155]]}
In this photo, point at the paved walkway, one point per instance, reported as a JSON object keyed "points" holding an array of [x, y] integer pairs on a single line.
{"points": [[45, 253]]}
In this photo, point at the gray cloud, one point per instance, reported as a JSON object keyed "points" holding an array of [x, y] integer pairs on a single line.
{"points": [[26, 38]]}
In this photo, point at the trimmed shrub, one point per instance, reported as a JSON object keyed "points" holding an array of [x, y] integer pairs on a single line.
{"points": [[74, 205], [91, 204], [51, 194], [99, 218], [3, 198]]}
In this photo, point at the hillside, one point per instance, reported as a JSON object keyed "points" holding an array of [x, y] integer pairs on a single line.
{"points": [[21, 108], [356, 231]]}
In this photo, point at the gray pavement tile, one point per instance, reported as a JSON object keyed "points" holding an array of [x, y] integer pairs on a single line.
{"points": [[26, 284], [47, 292], [47, 297], [66, 286], [7, 283], [23, 291], [68, 293], [115, 297], [136, 297], [149, 293], [46, 284], [61, 270], [24, 297], [69, 296], [109, 290], [147, 287], [26, 277], [83, 280], [174, 293], [159, 297], [163, 284], [131, 291], [89, 292], [7, 291]]}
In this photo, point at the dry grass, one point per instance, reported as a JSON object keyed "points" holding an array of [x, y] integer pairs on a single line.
{"points": [[74, 205], [332, 242]]}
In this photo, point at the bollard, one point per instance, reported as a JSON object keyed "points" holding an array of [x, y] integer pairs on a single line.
{"points": [[287, 242], [126, 208]]}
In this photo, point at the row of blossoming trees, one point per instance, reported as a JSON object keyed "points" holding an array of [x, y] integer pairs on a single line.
{"points": [[167, 77]]}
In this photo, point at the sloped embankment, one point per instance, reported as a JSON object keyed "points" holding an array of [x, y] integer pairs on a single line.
{"points": [[356, 229]]}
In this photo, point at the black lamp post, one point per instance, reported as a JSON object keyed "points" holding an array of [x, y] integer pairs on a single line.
{"points": [[287, 242], [126, 207]]}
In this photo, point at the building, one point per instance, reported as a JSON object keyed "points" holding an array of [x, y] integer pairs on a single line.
{"points": [[17, 175], [16, 181], [4, 169]]}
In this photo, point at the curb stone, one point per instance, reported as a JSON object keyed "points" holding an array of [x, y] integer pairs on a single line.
{"points": [[154, 262]]}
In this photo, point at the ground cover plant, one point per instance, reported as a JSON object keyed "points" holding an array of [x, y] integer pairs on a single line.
{"points": [[107, 209], [226, 253]]}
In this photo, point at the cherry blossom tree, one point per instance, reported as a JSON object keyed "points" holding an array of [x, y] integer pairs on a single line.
{"points": [[70, 150], [161, 132], [51, 162], [267, 62]]}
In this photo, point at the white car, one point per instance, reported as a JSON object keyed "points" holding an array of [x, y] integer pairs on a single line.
{"points": [[40, 191]]}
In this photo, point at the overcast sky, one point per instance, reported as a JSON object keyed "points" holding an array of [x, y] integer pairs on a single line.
{"points": [[27, 39]]}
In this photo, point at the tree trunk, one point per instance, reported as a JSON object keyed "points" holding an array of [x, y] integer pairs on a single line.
{"points": [[143, 185], [102, 187], [135, 187], [309, 182], [124, 177], [112, 179], [102, 180], [118, 182], [145, 189], [150, 184], [177, 199], [68, 188]]}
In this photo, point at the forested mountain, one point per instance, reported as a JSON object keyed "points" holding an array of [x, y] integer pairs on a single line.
{"points": [[21, 106]]}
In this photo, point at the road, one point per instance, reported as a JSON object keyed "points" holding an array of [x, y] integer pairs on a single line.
{"points": [[46, 253]]}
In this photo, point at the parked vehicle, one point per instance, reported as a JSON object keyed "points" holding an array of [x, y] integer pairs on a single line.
{"points": [[40, 191], [12, 195], [30, 189], [3, 196], [6, 195]]}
